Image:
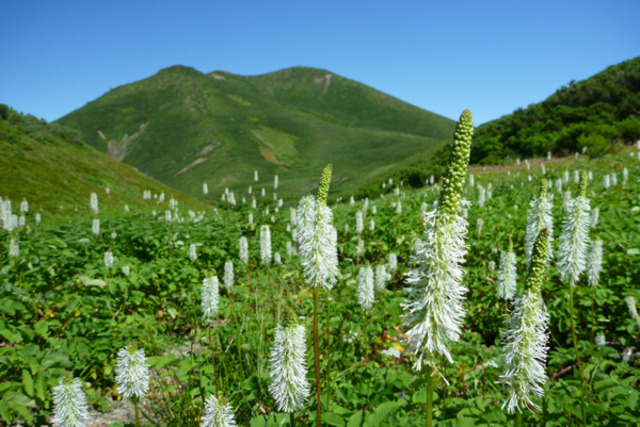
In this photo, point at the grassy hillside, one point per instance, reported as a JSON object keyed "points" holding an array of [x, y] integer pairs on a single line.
{"points": [[51, 167], [184, 128], [589, 114]]}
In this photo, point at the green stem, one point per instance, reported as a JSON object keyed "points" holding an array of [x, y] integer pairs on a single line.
{"points": [[575, 346], [429, 396], [518, 419], [328, 338], [213, 361], [316, 350], [593, 313], [135, 405], [292, 418]]}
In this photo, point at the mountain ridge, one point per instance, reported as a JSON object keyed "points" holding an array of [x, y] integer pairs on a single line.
{"points": [[289, 122]]}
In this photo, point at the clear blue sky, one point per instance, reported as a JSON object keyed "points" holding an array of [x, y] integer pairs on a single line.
{"points": [[489, 56]]}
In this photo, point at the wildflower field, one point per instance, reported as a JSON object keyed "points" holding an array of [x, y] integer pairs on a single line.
{"points": [[217, 323]]}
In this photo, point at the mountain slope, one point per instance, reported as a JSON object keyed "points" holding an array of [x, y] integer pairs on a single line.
{"points": [[56, 171], [588, 114], [184, 127]]}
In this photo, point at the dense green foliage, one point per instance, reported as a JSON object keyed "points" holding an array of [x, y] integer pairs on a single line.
{"points": [[61, 309], [589, 114], [51, 166], [183, 128]]}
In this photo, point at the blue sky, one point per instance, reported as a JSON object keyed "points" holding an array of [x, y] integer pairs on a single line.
{"points": [[489, 56]]}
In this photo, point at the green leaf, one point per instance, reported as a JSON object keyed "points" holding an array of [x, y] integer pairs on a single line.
{"points": [[382, 412], [27, 381], [356, 419], [332, 419]]}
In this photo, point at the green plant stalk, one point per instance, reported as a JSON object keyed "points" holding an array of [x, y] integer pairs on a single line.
{"points": [[518, 419], [292, 419], [429, 396], [575, 346], [328, 338], [135, 405], [213, 361], [316, 351], [593, 313]]}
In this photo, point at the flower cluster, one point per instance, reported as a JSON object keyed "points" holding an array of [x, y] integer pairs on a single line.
{"points": [[289, 386], [132, 372], [433, 305]]}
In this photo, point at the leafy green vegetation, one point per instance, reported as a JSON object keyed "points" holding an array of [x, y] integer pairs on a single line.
{"points": [[587, 115], [184, 128], [62, 309]]}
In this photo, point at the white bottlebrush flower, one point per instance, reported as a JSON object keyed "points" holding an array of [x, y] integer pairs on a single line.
{"points": [[399, 207], [108, 259], [507, 274], [69, 404], [38, 218], [606, 183], [492, 266], [289, 249], [381, 277], [193, 254], [359, 224], [539, 217], [132, 372], [525, 342], [574, 240], [126, 270], [275, 182], [372, 225], [217, 413], [243, 248], [167, 216], [250, 218], [318, 243], [210, 297], [631, 306], [481, 196], [393, 262], [263, 192], [94, 203], [594, 266], [205, 188], [374, 210], [289, 386], [601, 340], [24, 206], [595, 216], [255, 175], [228, 274], [265, 245], [14, 248], [614, 178], [433, 307], [126, 208], [277, 258], [365, 287], [471, 180], [360, 247]]}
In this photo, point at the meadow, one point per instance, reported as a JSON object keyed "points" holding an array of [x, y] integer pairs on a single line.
{"points": [[64, 310]]}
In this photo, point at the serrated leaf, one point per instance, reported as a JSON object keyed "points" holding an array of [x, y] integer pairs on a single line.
{"points": [[27, 382]]}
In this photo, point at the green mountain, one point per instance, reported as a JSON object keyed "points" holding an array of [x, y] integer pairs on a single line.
{"points": [[184, 128], [50, 166], [589, 114]]}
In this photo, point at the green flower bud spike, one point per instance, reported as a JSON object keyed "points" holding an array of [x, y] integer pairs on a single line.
{"points": [[325, 182], [456, 173], [538, 263]]}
